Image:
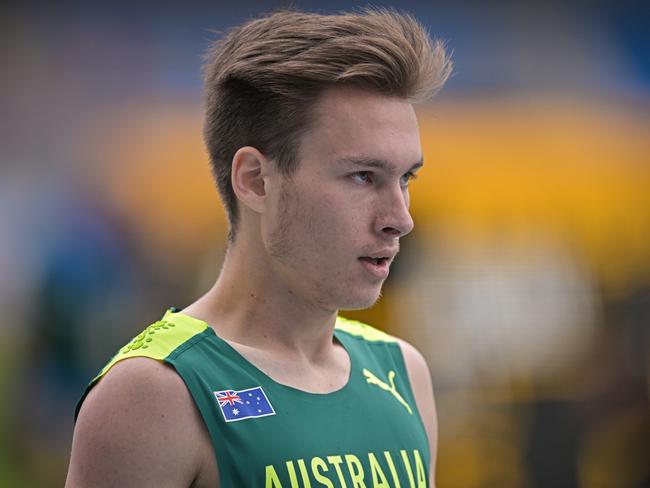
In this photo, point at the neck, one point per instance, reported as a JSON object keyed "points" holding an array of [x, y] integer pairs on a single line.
{"points": [[250, 305]]}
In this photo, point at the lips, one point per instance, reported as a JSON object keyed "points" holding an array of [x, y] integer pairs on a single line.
{"points": [[376, 261], [378, 267]]}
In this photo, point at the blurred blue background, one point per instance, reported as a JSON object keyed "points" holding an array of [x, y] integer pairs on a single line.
{"points": [[526, 283]]}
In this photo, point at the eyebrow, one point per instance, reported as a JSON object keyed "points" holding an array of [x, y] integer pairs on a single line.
{"points": [[377, 163]]}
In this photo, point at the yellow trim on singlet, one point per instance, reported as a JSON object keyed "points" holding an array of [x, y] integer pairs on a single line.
{"points": [[159, 339], [365, 331]]}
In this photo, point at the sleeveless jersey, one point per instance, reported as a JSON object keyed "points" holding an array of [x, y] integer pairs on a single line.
{"points": [[367, 434]]}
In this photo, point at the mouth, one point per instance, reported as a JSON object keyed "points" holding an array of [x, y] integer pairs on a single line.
{"points": [[376, 261], [377, 266]]}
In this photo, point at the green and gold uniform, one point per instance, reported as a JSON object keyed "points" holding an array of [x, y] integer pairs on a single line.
{"points": [[367, 434]]}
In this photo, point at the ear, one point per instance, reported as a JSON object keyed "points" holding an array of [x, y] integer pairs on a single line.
{"points": [[249, 168]]}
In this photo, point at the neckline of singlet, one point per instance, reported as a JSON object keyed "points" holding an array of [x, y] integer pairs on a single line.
{"points": [[256, 372]]}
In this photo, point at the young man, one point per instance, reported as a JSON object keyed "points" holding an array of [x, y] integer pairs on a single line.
{"points": [[313, 140]]}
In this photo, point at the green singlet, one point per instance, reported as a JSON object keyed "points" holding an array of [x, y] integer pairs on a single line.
{"points": [[367, 434]]}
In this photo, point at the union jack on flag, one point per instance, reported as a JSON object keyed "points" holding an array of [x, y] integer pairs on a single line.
{"points": [[243, 404], [227, 397]]}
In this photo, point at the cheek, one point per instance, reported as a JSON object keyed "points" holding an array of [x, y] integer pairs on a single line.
{"points": [[331, 218]]}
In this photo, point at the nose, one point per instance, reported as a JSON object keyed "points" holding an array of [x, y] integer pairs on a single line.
{"points": [[394, 220]]}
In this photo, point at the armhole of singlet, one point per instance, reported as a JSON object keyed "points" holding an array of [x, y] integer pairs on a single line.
{"points": [[157, 341], [372, 335]]}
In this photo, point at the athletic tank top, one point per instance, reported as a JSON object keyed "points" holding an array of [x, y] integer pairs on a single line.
{"points": [[367, 434]]}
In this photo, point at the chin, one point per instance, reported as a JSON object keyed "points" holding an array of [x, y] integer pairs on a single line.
{"points": [[359, 302]]}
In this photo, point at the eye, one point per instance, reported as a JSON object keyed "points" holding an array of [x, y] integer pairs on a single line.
{"points": [[407, 177], [362, 177]]}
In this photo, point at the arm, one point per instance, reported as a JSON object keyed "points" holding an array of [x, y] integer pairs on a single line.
{"points": [[137, 427], [420, 378]]}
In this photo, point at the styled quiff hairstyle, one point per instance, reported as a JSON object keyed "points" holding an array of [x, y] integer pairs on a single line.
{"points": [[264, 76]]}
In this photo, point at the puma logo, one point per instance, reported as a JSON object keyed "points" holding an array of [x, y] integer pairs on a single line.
{"points": [[373, 380]]}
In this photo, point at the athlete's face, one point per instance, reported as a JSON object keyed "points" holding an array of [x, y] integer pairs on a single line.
{"points": [[334, 227]]}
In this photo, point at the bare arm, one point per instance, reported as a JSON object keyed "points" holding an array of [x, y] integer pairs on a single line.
{"points": [[138, 427], [420, 379]]}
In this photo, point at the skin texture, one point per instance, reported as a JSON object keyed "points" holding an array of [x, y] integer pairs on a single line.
{"points": [[332, 213], [123, 432], [298, 243]]}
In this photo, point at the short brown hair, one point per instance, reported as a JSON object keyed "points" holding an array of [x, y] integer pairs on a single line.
{"points": [[262, 78]]}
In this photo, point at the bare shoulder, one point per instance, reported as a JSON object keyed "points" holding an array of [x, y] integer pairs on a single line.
{"points": [[137, 427], [415, 362], [420, 379]]}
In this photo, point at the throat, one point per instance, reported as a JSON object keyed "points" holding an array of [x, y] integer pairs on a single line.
{"points": [[327, 375]]}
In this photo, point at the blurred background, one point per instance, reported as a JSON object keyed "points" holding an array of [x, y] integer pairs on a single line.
{"points": [[526, 282]]}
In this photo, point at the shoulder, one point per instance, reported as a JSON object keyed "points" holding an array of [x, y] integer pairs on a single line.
{"points": [[422, 387], [158, 340], [419, 377], [416, 365], [140, 380], [137, 427]]}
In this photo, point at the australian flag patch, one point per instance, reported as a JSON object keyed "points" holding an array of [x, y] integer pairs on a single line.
{"points": [[243, 404]]}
